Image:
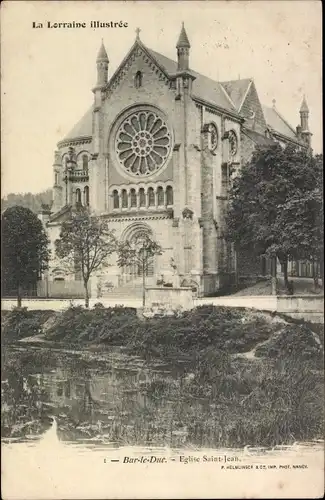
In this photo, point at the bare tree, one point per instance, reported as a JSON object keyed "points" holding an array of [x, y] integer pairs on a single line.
{"points": [[140, 252]]}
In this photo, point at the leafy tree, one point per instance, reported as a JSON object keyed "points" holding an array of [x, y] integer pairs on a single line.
{"points": [[275, 207], [28, 200], [25, 251], [84, 245], [140, 252]]}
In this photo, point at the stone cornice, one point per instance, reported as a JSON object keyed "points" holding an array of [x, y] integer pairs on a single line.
{"points": [[130, 217], [213, 108], [75, 141]]}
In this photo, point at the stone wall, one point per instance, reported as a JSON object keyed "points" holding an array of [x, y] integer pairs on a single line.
{"points": [[169, 298], [60, 289], [307, 307]]}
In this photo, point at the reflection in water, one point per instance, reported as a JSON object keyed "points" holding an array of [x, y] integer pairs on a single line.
{"points": [[105, 399]]}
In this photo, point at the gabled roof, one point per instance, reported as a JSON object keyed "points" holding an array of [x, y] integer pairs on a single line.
{"points": [[257, 138], [237, 90], [83, 127], [228, 95], [203, 87], [57, 215], [277, 123]]}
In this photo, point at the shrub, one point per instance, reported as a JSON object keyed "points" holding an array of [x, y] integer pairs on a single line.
{"points": [[21, 322], [294, 341]]}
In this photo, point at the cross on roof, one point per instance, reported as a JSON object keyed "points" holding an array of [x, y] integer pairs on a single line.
{"points": [[138, 33]]}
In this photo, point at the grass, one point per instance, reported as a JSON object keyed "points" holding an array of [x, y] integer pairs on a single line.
{"points": [[218, 399]]}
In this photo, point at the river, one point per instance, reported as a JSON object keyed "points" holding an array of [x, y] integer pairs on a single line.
{"points": [[77, 413]]}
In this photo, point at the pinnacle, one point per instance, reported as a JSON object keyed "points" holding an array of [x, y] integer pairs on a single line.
{"points": [[183, 40], [304, 106], [102, 54]]}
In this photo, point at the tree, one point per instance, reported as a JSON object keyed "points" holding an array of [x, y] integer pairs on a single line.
{"points": [[140, 252], [25, 250], [276, 205], [84, 245], [28, 200]]}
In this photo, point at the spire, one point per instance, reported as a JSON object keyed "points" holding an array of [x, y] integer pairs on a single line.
{"points": [[102, 54], [304, 107], [305, 134], [137, 34], [183, 51], [102, 66], [183, 40]]}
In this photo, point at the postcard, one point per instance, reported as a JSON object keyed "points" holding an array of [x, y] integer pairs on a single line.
{"points": [[162, 257]]}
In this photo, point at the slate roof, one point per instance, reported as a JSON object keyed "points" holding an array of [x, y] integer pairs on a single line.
{"points": [[237, 90], [228, 95], [102, 54], [183, 40], [257, 138], [304, 105], [278, 124], [203, 87], [83, 127]]}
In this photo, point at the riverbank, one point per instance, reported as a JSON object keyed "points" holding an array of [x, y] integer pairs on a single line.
{"points": [[243, 377]]}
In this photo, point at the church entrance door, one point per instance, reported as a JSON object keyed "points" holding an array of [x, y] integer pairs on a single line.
{"points": [[143, 266]]}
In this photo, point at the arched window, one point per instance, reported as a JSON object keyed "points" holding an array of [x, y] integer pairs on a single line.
{"points": [[151, 197], [116, 200], [133, 198], [78, 196], [138, 80], [160, 196], [169, 196], [142, 197], [224, 177], [85, 162], [124, 198], [86, 195], [56, 178]]}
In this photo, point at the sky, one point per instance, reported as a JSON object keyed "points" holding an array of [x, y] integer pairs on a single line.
{"points": [[48, 73]]}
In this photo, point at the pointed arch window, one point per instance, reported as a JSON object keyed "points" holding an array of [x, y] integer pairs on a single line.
{"points": [[160, 196], [138, 80], [85, 163], [78, 196], [124, 198], [133, 198], [169, 195], [116, 199], [142, 196], [86, 195], [151, 197]]}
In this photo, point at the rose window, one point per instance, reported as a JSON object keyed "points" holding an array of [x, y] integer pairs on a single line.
{"points": [[143, 143]]}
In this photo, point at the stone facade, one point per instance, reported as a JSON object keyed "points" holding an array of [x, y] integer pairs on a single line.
{"points": [[154, 153]]}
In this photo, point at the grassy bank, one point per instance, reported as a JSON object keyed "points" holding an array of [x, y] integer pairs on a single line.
{"points": [[247, 377]]}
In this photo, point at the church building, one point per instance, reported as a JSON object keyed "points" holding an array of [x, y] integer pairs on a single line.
{"points": [[154, 154]]}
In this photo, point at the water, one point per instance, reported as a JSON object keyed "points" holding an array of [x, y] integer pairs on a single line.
{"points": [[108, 405], [103, 397]]}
